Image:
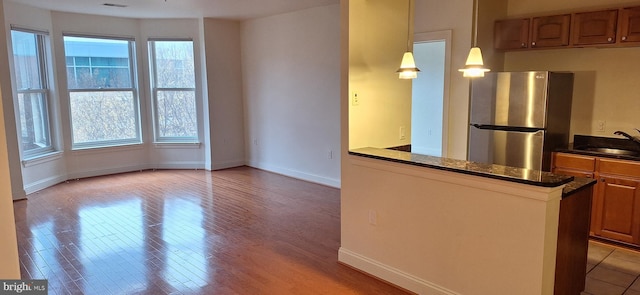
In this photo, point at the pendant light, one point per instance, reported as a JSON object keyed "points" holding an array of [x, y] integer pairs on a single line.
{"points": [[474, 67], [408, 69]]}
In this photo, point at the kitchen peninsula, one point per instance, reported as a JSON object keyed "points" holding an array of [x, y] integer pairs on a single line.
{"points": [[443, 226]]}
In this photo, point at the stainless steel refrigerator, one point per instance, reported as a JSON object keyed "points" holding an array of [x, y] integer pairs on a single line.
{"points": [[519, 118]]}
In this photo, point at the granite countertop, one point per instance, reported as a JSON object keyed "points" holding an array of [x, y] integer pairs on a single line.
{"points": [[520, 175], [582, 142]]}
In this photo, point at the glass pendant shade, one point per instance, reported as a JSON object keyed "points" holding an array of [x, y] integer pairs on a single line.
{"points": [[474, 66], [408, 69]]}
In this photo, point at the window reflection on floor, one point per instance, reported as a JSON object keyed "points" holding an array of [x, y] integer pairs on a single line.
{"points": [[112, 237]]}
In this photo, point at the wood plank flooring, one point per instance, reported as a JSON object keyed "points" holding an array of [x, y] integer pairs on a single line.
{"points": [[235, 231]]}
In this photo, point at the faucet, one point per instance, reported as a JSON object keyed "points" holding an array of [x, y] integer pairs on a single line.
{"points": [[630, 137]]}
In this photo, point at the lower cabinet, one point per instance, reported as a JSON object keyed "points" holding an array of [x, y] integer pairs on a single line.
{"points": [[615, 213], [617, 203]]}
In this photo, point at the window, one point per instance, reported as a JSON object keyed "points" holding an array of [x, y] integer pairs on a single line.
{"points": [[174, 92], [33, 93], [103, 97]]}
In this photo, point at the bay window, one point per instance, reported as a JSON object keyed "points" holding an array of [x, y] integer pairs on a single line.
{"points": [[29, 61], [103, 96], [173, 90]]}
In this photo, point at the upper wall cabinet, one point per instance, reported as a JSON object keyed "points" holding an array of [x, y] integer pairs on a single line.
{"points": [[511, 34], [550, 31], [596, 27], [629, 25], [613, 27]]}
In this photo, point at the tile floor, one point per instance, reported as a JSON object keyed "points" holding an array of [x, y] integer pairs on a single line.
{"points": [[612, 271]]}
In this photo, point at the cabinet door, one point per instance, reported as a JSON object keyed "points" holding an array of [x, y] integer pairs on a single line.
{"points": [[597, 27], [617, 202], [630, 25], [550, 31], [511, 34]]}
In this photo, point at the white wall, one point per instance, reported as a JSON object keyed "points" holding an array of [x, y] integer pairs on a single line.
{"points": [[224, 103], [455, 15], [9, 267], [290, 64], [47, 171]]}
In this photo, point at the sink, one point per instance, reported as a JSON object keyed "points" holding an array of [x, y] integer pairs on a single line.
{"points": [[612, 151]]}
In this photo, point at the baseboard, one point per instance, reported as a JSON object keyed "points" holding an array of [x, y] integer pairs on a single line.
{"points": [[227, 164], [391, 274], [296, 174], [44, 183], [178, 165], [94, 173]]}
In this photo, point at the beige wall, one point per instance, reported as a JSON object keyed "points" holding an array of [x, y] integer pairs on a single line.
{"points": [[378, 38], [9, 265], [606, 84]]}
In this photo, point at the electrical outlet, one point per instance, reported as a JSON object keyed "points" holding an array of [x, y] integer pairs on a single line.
{"points": [[402, 133], [330, 154], [355, 98], [601, 125], [373, 217]]}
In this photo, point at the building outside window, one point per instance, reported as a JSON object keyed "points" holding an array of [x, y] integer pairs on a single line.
{"points": [[29, 60], [173, 90], [103, 96]]}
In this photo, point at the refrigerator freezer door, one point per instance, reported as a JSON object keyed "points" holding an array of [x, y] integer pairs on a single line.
{"points": [[517, 99], [508, 148]]}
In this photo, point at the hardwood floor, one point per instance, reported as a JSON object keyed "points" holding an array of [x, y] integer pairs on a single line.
{"points": [[235, 231]]}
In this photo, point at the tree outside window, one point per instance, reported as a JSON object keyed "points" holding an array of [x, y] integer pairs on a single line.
{"points": [[173, 88], [102, 94], [33, 94]]}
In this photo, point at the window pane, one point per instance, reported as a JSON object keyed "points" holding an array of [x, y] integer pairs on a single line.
{"points": [[111, 58], [103, 116], [174, 64], [34, 121], [26, 60], [176, 114]]}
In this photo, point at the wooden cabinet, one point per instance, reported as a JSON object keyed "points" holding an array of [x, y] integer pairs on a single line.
{"points": [[615, 213], [617, 201], [629, 25], [537, 32], [511, 34], [574, 165], [614, 27], [550, 31], [595, 27]]}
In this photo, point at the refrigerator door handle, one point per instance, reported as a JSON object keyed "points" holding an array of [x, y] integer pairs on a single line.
{"points": [[506, 128]]}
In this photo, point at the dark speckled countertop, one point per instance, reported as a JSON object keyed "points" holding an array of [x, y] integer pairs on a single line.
{"points": [[513, 174], [583, 142]]}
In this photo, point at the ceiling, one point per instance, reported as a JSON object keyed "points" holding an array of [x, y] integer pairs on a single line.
{"points": [[227, 9]]}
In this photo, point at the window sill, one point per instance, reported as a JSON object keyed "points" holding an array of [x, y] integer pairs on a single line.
{"points": [[177, 145], [110, 148], [41, 159]]}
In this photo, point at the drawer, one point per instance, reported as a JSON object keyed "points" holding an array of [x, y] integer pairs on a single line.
{"points": [[619, 167], [574, 162]]}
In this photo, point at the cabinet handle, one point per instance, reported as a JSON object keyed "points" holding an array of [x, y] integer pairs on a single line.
{"points": [[603, 180], [624, 38], [609, 39], [533, 44], [523, 45]]}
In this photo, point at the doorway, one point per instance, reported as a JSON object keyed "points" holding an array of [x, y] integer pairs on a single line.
{"points": [[430, 94]]}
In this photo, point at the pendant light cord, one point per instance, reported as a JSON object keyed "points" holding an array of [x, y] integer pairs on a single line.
{"points": [[475, 23], [408, 24]]}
